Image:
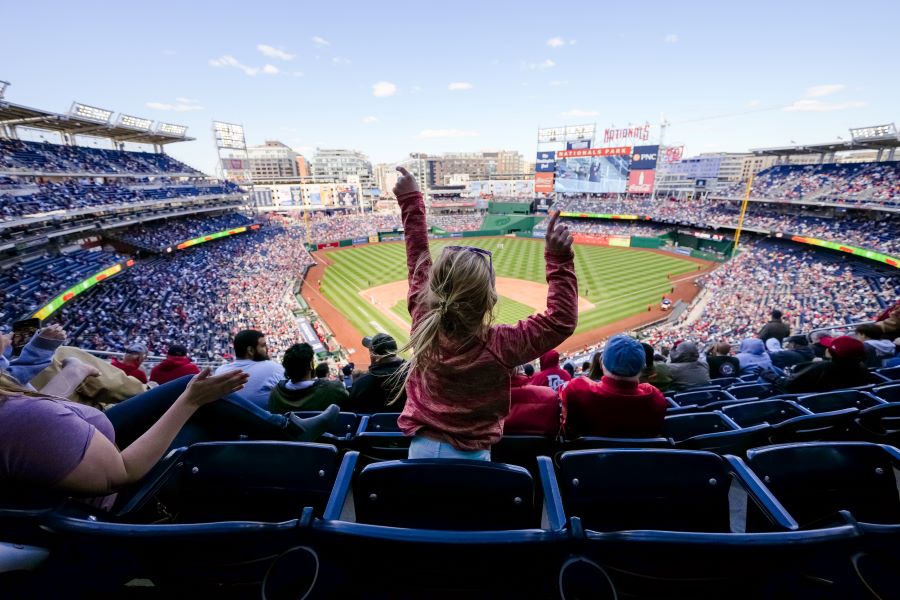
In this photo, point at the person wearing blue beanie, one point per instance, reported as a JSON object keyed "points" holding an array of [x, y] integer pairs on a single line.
{"points": [[618, 405]]}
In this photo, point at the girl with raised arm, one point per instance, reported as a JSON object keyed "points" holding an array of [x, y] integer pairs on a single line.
{"points": [[458, 376]]}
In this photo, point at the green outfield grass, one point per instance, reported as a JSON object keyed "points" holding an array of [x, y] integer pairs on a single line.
{"points": [[620, 282], [508, 310]]}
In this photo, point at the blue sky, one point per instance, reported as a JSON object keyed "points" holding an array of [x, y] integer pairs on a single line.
{"points": [[395, 78]]}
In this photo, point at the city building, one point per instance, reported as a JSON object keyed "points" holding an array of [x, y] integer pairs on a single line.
{"points": [[339, 165], [439, 170], [273, 161]]}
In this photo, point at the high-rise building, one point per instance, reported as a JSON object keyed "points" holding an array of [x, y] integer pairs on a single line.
{"points": [[386, 177], [441, 169], [302, 166], [272, 161], [339, 164]]}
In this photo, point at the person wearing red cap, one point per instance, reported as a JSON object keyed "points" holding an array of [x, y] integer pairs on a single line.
{"points": [[844, 368]]}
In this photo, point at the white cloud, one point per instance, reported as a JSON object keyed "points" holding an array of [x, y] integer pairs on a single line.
{"points": [[559, 82], [459, 86], [370, 119], [383, 89], [671, 38], [446, 133], [817, 91], [556, 42], [339, 60], [539, 66], [321, 41], [180, 105], [577, 112], [819, 106], [229, 61], [273, 52]]}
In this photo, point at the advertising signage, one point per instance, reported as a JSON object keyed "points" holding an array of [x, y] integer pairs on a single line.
{"points": [[644, 157], [593, 170]]}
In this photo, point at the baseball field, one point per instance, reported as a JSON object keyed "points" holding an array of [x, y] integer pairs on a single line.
{"points": [[367, 284]]}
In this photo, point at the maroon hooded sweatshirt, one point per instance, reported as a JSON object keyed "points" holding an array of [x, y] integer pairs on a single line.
{"points": [[172, 368], [533, 409]]}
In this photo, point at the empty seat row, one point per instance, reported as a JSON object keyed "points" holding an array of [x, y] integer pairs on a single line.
{"points": [[297, 519]]}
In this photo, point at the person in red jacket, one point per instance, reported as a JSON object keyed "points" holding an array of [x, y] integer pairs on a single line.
{"points": [[618, 405], [135, 354], [176, 364], [458, 376], [551, 375], [533, 409]]}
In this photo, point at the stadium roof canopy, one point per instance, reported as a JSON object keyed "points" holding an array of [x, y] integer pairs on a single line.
{"points": [[16, 115], [829, 147]]}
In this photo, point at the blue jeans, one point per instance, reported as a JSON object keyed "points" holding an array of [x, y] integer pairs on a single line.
{"points": [[222, 420], [423, 447]]}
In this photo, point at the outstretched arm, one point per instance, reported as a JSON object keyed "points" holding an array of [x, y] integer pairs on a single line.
{"points": [[532, 337], [415, 231]]}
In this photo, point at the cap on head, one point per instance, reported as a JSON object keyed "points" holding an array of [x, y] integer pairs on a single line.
{"points": [[797, 340], [381, 344], [177, 350], [846, 348], [623, 356], [136, 349]]}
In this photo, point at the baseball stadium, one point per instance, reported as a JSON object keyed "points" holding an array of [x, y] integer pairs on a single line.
{"points": [[333, 301]]}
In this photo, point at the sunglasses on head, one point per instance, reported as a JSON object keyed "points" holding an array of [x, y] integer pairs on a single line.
{"points": [[480, 251]]}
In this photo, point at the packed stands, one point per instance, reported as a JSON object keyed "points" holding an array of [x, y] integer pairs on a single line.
{"points": [[28, 285], [456, 223], [31, 198], [871, 230], [876, 184], [43, 157], [156, 236], [812, 288], [199, 297]]}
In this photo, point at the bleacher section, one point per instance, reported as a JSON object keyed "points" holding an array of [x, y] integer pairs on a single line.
{"points": [[159, 235], [27, 286], [17, 155]]}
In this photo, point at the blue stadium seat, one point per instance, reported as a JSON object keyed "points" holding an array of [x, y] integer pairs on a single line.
{"points": [[735, 441], [890, 373], [772, 412], [829, 425], [701, 398], [888, 393], [682, 427], [753, 390], [830, 401], [380, 423], [815, 481], [523, 450], [723, 382], [880, 424]]}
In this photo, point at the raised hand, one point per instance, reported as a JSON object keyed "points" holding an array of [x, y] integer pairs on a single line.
{"points": [[559, 240], [205, 387], [406, 183], [53, 332]]}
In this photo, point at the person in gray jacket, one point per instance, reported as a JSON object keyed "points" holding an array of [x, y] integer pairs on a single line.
{"points": [[686, 368]]}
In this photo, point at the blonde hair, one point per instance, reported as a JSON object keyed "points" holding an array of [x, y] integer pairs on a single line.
{"points": [[457, 302], [11, 387]]}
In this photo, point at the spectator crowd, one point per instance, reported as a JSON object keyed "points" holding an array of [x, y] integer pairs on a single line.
{"points": [[156, 236]]}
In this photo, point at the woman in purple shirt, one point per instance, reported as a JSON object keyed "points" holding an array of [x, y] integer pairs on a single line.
{"points": [[47, 441]]}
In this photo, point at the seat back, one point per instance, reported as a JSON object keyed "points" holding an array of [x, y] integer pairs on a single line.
{"points": [[681, 427], [818, 426], [382, 423], [445, 494], [883, 420], [751, 390], [762, 411], [888, 393], [250, 481], [626, 489], [522, 450], [891, 373], [701, 398], [816, 480], [733, 441], [376, 446], [830, 401], [723, 382]]}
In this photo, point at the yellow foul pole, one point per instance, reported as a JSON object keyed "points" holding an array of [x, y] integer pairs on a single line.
{"points": [[737, 233]]}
